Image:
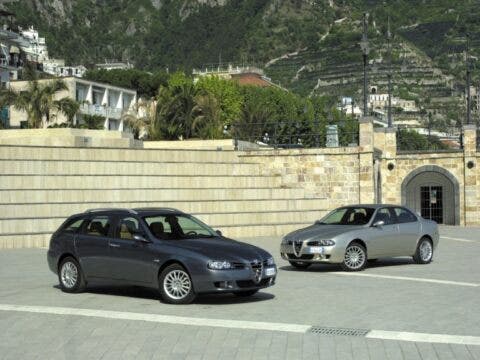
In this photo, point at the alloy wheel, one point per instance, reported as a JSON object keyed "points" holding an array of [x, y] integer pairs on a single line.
{"points": [[355, 257], [177, 284], [69, 274], [426, 251]]}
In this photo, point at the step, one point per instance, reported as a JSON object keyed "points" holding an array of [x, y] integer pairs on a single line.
{"points": [[67, 209], [216, 220], [140, 195], [13, 182], [244, 231], [115, 154], [53, 167]]}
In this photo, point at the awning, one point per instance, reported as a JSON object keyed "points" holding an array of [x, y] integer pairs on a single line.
{"points": [[14, 50]]}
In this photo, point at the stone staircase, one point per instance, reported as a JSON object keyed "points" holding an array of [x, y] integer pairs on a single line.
{"points": [[40, 186]]}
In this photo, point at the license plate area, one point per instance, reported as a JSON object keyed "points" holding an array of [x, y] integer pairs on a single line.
{"points": [[270, 271], [316, 250]]}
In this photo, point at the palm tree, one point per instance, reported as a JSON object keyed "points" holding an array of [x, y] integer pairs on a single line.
{"points": [[207, 123], [254, 122], [141, 118], [38, 101]]}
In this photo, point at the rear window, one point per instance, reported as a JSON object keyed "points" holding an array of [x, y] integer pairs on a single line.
{"points": [[98, 226], [73, 225]]}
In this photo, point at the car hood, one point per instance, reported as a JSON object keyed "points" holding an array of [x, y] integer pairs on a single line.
{"points": [[221, 248], [320, 232]]}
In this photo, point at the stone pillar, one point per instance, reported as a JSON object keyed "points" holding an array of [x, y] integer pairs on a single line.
{"points": [[385, 142], [471, 195], [365, 157]]}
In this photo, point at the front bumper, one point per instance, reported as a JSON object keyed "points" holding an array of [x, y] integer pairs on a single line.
{"points": [[312, 254], [235, 280]]}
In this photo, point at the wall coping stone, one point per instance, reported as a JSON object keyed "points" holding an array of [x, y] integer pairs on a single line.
{"points": [[365, 120], [385, 129]]}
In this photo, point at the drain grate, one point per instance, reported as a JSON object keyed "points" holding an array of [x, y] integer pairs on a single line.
{"points": [[321, 330]]}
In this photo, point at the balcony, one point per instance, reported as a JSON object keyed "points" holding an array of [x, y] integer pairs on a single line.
{"points": [[106, 112]]}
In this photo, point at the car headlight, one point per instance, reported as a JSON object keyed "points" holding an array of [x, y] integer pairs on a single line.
{"points": [[270, 261], [219, 265], [326, 242]]}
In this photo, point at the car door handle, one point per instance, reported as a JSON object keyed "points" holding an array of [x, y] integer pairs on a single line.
{"points": [[114, 245]]}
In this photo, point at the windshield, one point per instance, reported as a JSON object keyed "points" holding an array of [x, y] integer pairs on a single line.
{"points": [[177, 227], [348, 216]]}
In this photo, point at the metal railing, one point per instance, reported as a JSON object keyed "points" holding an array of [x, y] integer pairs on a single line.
{"points": [[294, 135], [100, 110], [428, 139]]}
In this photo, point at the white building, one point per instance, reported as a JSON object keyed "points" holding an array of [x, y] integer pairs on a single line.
{"points": [[113, 65], [110, 102], [57, 67], [33, 45], [380, 101], [348, 107]]}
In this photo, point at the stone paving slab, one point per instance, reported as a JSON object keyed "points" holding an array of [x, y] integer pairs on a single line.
{"points": [[316, 297]]}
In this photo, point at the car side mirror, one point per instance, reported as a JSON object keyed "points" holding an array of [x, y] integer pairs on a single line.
{"points": [[218, 232], [379, 223], [140, 238]]}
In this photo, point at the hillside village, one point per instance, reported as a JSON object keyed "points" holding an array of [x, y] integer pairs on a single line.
{"points": [[424, 96]]}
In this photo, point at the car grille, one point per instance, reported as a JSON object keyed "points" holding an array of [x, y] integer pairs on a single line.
{"points": [[301, 257], [251, 283], [238, 265], [313, 243]]}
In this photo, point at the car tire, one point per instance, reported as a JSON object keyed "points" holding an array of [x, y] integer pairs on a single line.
{"points": [[175, 285], [245, 293], [70, 276], [355, 258], [300, 264], [424, 252]]}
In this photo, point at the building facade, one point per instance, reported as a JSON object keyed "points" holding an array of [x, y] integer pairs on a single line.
{"points": [[107, 101]]}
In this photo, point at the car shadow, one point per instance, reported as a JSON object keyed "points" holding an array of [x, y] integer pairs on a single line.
{"points": [[230, 299], [379, 263], [152, 294], [126, 291]]}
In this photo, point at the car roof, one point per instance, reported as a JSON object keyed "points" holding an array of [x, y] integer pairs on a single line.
{"points": [[134, 211], [374, 206]]}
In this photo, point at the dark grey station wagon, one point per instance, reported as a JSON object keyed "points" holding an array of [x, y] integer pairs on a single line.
{"points": [[160, 248]]}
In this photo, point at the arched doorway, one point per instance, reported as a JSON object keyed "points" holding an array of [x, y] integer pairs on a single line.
{"points": [[434, 193]]}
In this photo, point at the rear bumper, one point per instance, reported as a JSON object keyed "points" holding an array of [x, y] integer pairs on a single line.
{"points": [[52, 260], [228, 281]]}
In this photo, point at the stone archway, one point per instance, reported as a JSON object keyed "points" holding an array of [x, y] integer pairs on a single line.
{"points": [[433, 192]]}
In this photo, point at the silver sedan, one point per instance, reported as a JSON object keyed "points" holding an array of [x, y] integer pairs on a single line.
{"points": [[353, 235]]}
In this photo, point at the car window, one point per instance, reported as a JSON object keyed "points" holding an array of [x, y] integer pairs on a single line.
{"points": [[73, 225], [98, 226], [348, 216], [127, 227], [404, 216], [177, 227], [385, 215]]}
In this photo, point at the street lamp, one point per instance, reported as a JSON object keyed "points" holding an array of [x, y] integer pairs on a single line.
{"points": [[365, 50]]}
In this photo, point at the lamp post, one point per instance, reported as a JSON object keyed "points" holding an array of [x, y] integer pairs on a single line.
{"points": [[469, 74], [389, 38], [365, 50]]}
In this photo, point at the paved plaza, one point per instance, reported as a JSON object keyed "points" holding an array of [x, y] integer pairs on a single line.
{"points": [[394, 309]]}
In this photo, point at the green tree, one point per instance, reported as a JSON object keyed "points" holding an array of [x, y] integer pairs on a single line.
{"points": [[93, 122], [228, 95], [208, 121], [175, 109]]}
